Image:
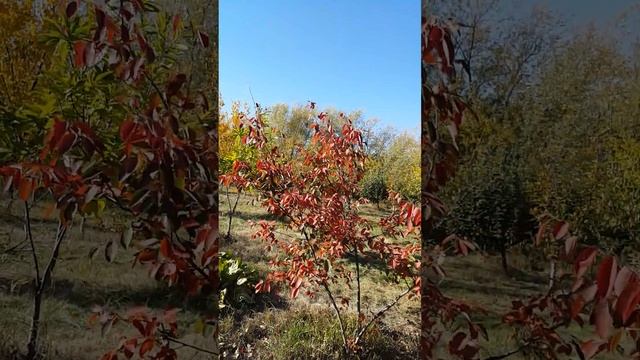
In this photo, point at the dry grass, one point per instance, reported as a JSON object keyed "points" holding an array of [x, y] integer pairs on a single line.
{"points": [[301, 329], [78, 284]]}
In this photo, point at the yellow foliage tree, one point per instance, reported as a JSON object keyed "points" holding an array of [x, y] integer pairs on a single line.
{"points": [[22, 59]]}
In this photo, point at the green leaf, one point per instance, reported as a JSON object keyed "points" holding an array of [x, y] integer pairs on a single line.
{"points": [[126, 237]]}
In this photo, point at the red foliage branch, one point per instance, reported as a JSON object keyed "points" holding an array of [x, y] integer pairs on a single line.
{"points": [[166, 174], [317, 194], [595, 291], [608, 300]]}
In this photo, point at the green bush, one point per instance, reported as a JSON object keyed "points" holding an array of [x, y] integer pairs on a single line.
{"points": [[373, 187], [237, 281], [489, 205]]}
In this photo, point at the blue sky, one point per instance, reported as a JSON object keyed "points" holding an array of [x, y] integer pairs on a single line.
{"points": [[348, 54]]}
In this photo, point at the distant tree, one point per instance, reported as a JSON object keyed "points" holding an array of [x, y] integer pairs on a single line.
{"points": [[581, 109], [24, 107], [401, 166], [489, 205], [373, 185]]}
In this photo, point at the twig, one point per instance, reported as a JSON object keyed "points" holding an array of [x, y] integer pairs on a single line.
{"points": [[62, 229], [381, 312], [168, 337], [164, 101], [359, 311], [335, 307], [504, 356]]}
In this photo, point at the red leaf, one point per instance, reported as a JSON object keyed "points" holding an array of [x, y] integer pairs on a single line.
{"points": [[628, 300], [109, 356], [71, 8], [577, 304], [175, 83], [25, 188], [203, 39], [591, 348], [622, 279], [65, 143], [294, 292], [146, 346], [126, 128], [606, 276], [165, 248], [79, 53], [129, 347], [176, 21], [146, 255], [584, 260], [602, 319], [560, 230]]}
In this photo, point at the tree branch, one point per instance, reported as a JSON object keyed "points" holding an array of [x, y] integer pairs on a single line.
{"points": [[381, 312], [170, 338], [29, 235]]}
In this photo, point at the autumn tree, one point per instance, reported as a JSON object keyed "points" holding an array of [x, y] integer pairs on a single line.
{"points": [[373, 184], [316, 192], [150, 150], [488, 204], [237, 161], [401, 164]]}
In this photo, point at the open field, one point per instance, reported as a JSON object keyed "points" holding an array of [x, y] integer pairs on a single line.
{"points": [[79, 283], [280, 329], [477, 279]]}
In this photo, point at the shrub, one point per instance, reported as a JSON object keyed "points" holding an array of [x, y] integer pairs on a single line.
{"points": [[489, 204], [237, 281], [374, 187]]}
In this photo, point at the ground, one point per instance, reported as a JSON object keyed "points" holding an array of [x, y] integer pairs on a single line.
{"points": [[283, 329]]}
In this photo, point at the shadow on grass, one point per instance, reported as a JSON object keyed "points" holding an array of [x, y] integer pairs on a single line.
{"points": [[262, 303], [368, 259], [255, 217], [84, 295]]}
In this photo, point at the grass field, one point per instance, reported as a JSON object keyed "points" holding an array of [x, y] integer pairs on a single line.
{"points": [[282, 329]]}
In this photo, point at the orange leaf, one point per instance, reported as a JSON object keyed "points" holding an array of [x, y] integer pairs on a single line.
{"points": [[25, 189], [79, 53], [165, 248], [177, 20]]}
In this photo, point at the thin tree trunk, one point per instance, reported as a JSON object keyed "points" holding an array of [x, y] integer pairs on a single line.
{"points": [[359, 309], [32, 344], [345, 346], [232, 211], [503, 256]]}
